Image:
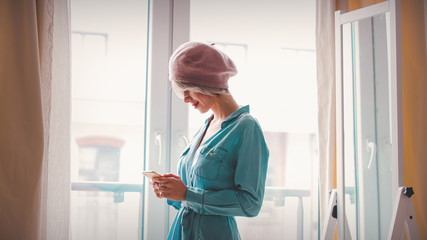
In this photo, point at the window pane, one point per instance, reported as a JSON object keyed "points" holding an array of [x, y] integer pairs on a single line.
{"points": [[272, 43], [109, 42]]}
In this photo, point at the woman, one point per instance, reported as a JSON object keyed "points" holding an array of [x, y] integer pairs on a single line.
{"points": [[223, 170]]}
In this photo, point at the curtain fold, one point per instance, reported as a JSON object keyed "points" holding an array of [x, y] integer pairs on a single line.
{"points": [[21, 121], [31, 193], [56, 99], [325, 58]]}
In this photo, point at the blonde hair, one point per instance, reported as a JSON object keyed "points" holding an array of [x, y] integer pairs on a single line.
{"points": [[181, 87]]}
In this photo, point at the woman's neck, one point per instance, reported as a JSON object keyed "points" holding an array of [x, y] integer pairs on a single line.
{"points": [[224, 107]]}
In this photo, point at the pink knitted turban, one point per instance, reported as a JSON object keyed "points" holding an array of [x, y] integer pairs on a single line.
{"points": [[201, 64]]}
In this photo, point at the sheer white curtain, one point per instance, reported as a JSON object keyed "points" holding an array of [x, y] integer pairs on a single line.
{"points": [[325, 57], [34, 119]]}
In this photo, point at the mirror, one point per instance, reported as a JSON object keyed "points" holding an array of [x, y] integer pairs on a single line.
{"points": [[367, 126]]}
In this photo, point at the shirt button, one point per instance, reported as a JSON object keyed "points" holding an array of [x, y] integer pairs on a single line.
{"points": [[210, 154]]}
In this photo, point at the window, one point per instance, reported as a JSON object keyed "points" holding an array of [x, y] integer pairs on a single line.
{"points": [[109, 52]]}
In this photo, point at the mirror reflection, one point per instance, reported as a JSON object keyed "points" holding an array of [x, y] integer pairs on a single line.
{"points": [[367, 143]]}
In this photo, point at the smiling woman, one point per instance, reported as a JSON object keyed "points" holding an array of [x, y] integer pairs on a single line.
{"points": [[223, 171]]}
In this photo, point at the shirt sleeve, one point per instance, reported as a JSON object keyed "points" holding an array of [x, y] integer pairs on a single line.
{"points": [[251, 170]]}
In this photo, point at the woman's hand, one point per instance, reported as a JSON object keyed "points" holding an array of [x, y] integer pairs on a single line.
{"points": [[155, 188], [170, 186]]}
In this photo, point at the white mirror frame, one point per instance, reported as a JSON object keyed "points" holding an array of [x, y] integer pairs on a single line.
{"points": [[393, 7]]}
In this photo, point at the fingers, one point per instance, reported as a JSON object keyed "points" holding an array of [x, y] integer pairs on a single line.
{"points": [[175, 194], [154, 184], [158, 193], [161, 186], [165, 186], [164, 189], [166, 178], [155, 179], [169, 186], [164, 181], [171, 175], [165, 193]]}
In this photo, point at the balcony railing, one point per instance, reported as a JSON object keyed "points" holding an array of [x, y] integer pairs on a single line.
{"points": [[275, 194]]}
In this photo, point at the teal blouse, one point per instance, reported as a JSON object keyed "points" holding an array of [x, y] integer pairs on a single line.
{"points": [[225, 177]]}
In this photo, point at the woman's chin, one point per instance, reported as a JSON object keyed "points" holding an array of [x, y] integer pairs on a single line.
{"points": [[202, 111]]}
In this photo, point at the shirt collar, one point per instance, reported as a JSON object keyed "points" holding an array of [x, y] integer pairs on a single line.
{"points": [[235, 114]]}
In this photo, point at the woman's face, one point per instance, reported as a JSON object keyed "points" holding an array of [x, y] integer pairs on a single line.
{"points": [[199, 101]]}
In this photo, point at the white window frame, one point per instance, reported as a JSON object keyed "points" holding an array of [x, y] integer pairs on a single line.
{"points": [[166, 128]]}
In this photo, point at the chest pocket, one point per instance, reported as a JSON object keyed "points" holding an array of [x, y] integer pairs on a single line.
{"points": [[209, 163]]}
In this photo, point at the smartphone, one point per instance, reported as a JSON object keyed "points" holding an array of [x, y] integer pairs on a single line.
{"points": [[151, 174]]}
